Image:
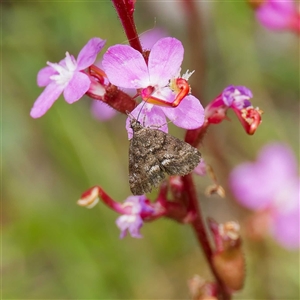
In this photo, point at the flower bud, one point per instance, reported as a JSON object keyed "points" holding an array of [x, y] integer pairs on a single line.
{"points": [[228, 258], [89, 198], [176, 186], [200, 289], [215, 189]]}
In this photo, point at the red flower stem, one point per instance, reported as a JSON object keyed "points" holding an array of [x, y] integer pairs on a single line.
{"points": [[116, 206], [127, 21], [116, 98], [199, 229]]}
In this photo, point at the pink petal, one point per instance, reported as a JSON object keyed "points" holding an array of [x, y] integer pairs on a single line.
{"points": [[149, 116], [89, 52], [165, 60], [131, 224], [285, 229], [46, 100], [258, 184], [189, 114], [249, 187], [201, 168], [125, 67], [276, 14], [76, 87], [278, 162], [156, 119], [149, 38], [43, 76], [102, 111]]}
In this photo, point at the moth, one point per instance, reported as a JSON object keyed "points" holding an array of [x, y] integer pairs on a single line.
{"points": [[152, 153]]}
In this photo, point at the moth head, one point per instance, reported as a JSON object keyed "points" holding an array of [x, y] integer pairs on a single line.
{"points": [[135, 124]]}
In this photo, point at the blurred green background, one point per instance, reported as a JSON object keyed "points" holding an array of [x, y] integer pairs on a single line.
{"points": [[54, 249]]}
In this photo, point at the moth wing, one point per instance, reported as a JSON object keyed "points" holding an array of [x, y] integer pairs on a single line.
{"points": [[178, 157], [144, 170]]}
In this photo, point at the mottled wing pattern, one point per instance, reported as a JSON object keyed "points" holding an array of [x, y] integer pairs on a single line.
{"points": [[144, 167], [178, 157], [153, 153]]}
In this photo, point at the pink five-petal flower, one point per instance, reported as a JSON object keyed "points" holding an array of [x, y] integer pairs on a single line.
{"points": [[104, 112], [126, 68], [66, 77], [272, 184], [279, 15], [132, 220]]}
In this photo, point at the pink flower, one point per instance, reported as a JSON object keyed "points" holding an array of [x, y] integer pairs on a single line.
{"points": [[126, 68], [236, 98], [67, 77], [271, 184], [201, 168], [135, 207], [134, 210], [279, 15], [104, 112]]}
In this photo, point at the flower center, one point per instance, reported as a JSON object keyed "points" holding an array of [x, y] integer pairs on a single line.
{"points": [[64, 68], [236, 97]]}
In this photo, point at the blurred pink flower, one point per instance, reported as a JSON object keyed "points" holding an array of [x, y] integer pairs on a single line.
{"points": [[279, 15], [102, 111], [150, 37], [66, 77], [271, 185], [201, 168]]}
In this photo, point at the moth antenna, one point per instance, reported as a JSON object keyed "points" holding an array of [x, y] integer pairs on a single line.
{"points": [[140, 35], [129, 114], [170, 121], [137, 118], [153, 27], [144, 120]]}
